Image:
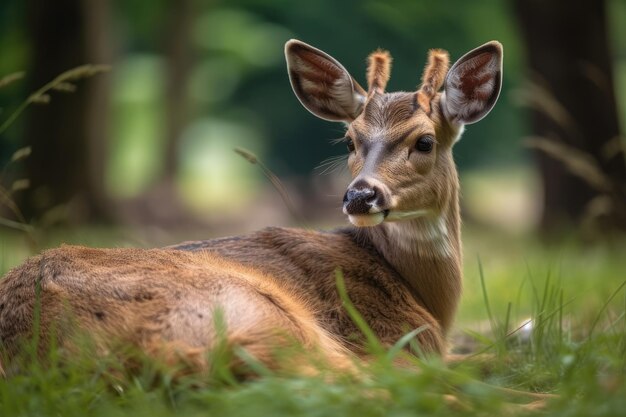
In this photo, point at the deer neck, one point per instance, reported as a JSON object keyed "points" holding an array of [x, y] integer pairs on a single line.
{"points": [[426, 252]]}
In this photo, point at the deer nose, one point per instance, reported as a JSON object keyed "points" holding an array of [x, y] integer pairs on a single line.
{"points": [[359, 200]]}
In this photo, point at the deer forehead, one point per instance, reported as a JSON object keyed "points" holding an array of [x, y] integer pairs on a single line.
{"points": [[393, 116]]}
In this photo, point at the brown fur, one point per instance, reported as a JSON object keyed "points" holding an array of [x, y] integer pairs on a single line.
{"points": [[378, 71], [277, 286], [433, 77], [274, 285]]}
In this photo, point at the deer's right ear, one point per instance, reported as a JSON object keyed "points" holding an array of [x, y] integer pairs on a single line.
{"points": [[322, 84]]}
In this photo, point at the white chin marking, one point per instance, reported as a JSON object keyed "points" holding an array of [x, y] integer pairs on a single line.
{"points": [[366, 220]]}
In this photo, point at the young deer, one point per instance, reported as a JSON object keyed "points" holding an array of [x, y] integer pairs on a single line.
{"points": [[401, 258]]}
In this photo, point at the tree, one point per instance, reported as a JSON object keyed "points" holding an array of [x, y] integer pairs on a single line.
{"points": [[574, 116], [178, 65], [68, 136]]}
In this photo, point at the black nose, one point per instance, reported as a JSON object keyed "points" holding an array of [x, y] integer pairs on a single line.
{"points": [[358, 200]]}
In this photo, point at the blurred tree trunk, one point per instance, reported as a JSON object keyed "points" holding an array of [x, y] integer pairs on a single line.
{"points": [[161, 203], [178, 62], [68, 135], [573, 104]]}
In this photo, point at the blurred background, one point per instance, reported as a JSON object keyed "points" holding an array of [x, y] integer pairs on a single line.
{"points": [[142, 150]]}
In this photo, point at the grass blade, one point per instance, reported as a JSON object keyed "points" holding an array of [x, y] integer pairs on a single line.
{"points": [[604, 307], [485, 296], [403, 341], [373, 343]]}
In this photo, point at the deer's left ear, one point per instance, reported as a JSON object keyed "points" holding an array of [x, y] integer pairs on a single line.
{"points": [[473, 84]]}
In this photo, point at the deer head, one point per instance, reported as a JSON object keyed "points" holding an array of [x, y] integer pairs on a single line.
{"points": [[399, 143]]}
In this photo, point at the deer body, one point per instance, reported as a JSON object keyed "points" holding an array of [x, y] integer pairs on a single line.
{"points": [[401, 259]]}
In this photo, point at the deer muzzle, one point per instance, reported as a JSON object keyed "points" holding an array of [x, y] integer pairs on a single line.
{"points": [[365, 203]]}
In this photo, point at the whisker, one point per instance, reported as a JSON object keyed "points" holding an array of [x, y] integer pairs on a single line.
{"points": [[331, 159], [338, 140], [336, 166], [331, 164], [334, 161]]}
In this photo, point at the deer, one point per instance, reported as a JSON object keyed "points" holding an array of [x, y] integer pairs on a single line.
{"points": [[400, 255]]}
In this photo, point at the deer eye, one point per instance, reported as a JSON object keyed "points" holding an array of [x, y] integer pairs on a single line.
{"points": [[349, 144], [425, 144]]}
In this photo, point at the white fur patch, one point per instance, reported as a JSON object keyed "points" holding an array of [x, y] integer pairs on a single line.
{"points": [[425, 235], [366, 220], [345, 96]]}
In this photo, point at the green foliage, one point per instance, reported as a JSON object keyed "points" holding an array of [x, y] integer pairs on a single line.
{"points": [[237, 83], [238, 71]]}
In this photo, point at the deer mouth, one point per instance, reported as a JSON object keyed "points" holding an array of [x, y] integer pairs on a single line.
{"points": [[369, 219]]}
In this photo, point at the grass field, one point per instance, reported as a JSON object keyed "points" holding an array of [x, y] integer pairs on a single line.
{"points": [[574, 347]]}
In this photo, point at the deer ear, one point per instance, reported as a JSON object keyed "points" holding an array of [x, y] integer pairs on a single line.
{"points": [[473, 84], [322, 84]]}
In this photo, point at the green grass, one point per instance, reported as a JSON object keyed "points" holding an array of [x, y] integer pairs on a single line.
{"points": [[576, 349]]}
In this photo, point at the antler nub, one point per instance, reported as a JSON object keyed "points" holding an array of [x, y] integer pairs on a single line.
{"points": [[433, 77], [378, 71]]}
